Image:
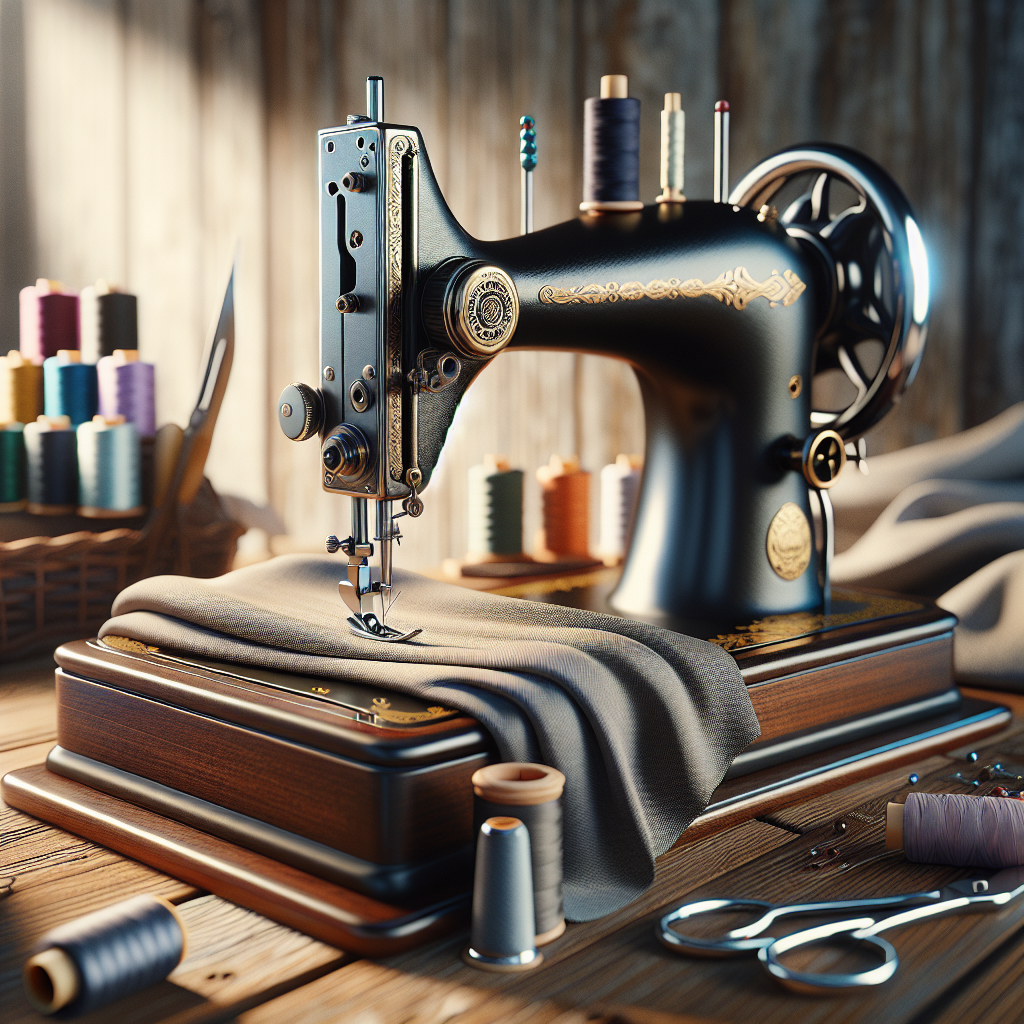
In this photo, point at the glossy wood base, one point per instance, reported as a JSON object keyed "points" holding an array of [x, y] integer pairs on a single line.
{"points": [[294, 898]]}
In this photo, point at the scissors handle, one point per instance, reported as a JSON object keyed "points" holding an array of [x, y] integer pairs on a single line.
{"points": [[749, 938], [809, 982]]}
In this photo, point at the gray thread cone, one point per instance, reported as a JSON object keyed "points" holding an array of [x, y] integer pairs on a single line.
{"points": [[503, 919]]}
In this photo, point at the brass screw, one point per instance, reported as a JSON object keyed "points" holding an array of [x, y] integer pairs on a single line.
{"points": [[796, 385], [328, 373], [286, 410]]}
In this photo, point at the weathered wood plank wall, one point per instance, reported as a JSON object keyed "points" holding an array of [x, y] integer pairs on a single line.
{"points": [[192, 123]]}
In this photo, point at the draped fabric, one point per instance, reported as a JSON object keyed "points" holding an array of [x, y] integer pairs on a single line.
{"points": [[946, 520], [643, 722]]}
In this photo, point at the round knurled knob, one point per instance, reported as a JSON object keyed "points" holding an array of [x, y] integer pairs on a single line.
{"points": [[471, 306], [300, 411]]}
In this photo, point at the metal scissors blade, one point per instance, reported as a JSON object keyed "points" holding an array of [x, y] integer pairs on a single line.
{"points": [[970, 895], [750, 938]]}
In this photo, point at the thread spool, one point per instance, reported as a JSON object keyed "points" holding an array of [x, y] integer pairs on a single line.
{"points": [[963, 831], [109, 468], [109, 319], [495, 493], [69, 387], [620, 485], [673, 149], [51, 466], [48, 320], [611, 149], [12, 467], [533, 794], [94, 960], [126, 388], [21, 389], [565, 496], [502, 932]]}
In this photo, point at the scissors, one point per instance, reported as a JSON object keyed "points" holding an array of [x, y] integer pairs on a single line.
{"points": [[971, 894]]}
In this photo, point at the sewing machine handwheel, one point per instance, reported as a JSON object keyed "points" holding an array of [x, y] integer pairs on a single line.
{"points": [[874, 291]]}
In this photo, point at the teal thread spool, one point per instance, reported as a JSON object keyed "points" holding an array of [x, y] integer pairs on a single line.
{"points": [[495, 511], [69, 387], [109, 468], [12, 467]]}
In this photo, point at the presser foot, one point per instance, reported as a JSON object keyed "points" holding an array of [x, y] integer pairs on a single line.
{"points": [[369, 627]]}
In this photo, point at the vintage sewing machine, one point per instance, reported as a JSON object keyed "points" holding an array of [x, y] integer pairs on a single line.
{"points": [[347, 812]]}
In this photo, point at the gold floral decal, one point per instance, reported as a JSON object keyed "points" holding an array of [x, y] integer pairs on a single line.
{"points": [[123, 643], [382, 709], [735, 288]]}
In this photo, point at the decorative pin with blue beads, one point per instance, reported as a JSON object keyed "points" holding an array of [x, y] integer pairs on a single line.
{"points": [[528, 162]]}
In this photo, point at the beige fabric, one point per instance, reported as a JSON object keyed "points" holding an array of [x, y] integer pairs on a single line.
{"points": [[946, 520]]}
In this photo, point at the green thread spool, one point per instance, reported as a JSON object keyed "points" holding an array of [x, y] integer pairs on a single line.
{"points": [[12, 467], [495, 511]]}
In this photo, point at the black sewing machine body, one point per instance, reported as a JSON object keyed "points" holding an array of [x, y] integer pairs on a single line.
{"points": [[715, 308]]}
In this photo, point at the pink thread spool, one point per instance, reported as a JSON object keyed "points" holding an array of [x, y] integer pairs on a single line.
{"points": [[962, 831], [48, 320]]}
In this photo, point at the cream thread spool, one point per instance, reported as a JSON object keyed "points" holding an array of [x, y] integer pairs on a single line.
{"points": [[673, 149], [532, 793], [620, 487], [565, 494]]}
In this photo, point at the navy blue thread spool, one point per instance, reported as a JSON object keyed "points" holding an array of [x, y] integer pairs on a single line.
{"points": [[51, 459], [104, 956], [533, 794], [503, 929], [611, 149]]}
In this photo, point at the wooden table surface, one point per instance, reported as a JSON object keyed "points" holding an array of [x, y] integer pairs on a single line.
{"points": [[242, 967]]}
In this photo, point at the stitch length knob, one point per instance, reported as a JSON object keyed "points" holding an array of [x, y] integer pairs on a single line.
{"points": [[473, 306]]}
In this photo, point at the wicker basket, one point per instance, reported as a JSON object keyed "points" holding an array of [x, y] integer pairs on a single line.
{"points": [[54, 589]]}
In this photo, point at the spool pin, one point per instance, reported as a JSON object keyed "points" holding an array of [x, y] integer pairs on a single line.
{"points": [[531, 793]]}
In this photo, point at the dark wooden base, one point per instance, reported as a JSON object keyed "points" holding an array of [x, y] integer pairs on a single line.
{"points": [[294, 898]]}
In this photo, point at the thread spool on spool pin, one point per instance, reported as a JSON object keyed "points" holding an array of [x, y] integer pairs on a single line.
{"points": [[91, 962], [620, 487], [502, 932], [565, 494], [959, 830], [611, 149], [533, 794], [51, 461], [673, 149]]}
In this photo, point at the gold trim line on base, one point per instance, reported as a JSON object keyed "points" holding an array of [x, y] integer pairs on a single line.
{"points": [[611, 206], [735, 288], [123, 643], [789, 542]]}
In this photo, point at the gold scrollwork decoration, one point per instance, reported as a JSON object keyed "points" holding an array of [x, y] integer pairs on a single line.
{"points": [[123, 643], [397, 149], [383, 710], [788, 544], [735, 288]]}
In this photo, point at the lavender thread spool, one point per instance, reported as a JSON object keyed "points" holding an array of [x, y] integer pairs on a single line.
{"points": [[962, 831], [104, 956], [533, 794], [502, 937], [127, 388]]}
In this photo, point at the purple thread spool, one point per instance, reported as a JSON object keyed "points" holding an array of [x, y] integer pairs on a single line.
{"points": [[963, 831], [127, 388]]}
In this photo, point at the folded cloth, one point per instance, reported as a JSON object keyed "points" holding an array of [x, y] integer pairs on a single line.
{"points": [[642, 722]]}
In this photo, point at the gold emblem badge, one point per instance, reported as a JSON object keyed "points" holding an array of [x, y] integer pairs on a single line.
{"points": [[789, 542]]}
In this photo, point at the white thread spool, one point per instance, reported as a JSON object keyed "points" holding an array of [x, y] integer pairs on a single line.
{"points": [[109, 468], [620, 485]]}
